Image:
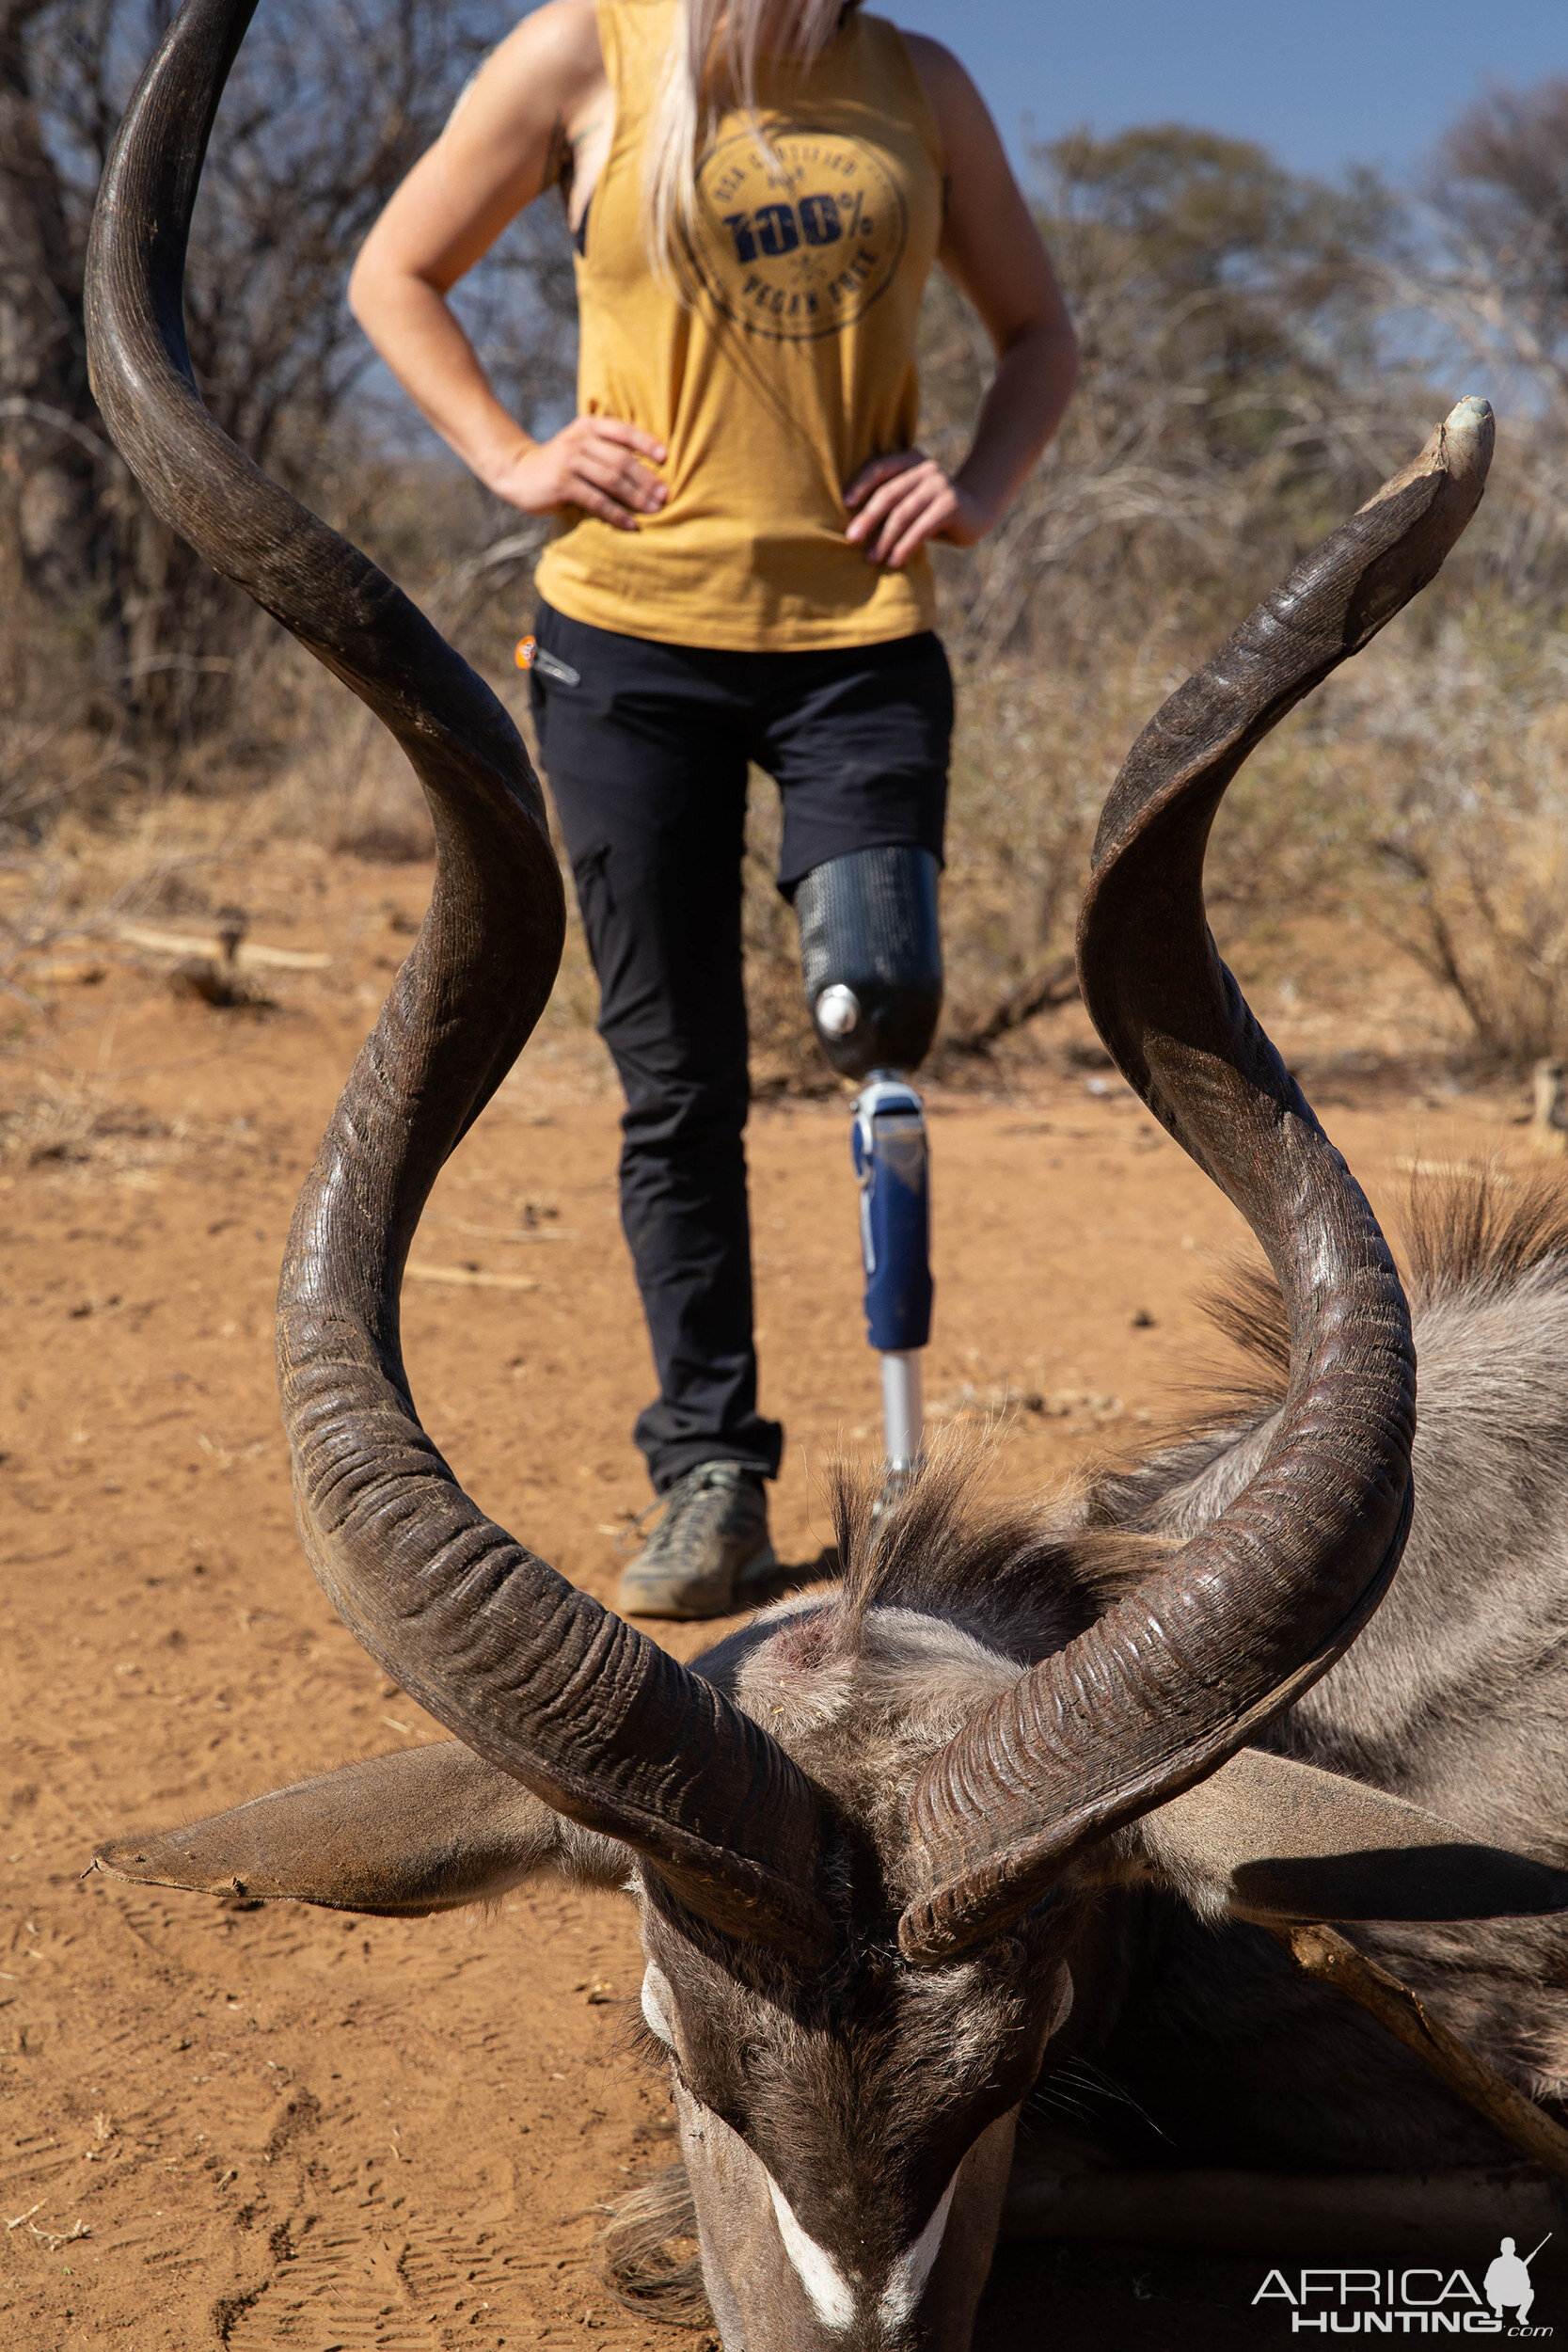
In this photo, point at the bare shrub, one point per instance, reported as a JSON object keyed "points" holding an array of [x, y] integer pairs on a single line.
{"points": [[1490, 275], [384, 821], [385, 836], [340, 783], [78, 1123], [1036, 747], [142, 637], [1231, 399], [1465, 789], [1237, 394], [1038, 743], [63, 743]]}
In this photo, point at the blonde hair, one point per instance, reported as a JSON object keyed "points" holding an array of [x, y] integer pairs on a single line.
{"points": [[716, 47]]}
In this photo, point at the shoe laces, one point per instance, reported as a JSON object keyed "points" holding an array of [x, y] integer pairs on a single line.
{"points": [[684, 1499]]}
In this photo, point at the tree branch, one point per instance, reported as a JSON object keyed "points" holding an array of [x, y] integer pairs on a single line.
{"points": [[1334, 1960], [1054, 984]]}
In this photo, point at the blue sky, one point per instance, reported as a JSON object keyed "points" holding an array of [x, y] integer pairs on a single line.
{"points": [[1323, 83]]}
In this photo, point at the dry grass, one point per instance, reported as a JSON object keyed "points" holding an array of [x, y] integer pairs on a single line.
{"points": [[1418, 807], [1457, 769], [79, 1124]]}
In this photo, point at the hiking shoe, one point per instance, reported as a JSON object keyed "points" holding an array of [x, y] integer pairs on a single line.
{"points": [[710, 1544]]}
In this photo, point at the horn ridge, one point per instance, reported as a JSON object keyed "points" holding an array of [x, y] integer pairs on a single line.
{"points": [[531, 1674], [1173, 1679]]}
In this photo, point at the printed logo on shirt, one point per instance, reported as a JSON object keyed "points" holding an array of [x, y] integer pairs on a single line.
{"points": [[799, 243]]}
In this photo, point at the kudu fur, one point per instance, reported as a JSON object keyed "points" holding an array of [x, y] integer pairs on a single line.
{"points": [[885, 1846]]}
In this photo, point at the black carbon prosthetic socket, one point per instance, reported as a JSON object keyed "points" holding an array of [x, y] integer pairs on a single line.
{"points": [[871, 958]]}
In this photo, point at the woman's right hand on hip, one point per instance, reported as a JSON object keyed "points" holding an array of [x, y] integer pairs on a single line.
{"points": [[594, 463]]}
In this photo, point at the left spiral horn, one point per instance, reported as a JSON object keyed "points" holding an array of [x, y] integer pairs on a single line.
{"points": [[528, 1671]]}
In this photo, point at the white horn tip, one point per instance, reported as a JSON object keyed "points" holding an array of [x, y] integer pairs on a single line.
{"points": [[1469, 431], [1460, 448]]}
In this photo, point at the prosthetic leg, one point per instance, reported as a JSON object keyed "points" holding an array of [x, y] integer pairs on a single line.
{"points": [[871, 956]]}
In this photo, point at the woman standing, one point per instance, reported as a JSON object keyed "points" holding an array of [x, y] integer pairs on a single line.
{"points": [[758, 190]]}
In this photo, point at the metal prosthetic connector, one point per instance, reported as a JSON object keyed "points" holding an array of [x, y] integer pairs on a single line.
{"points": [[871, 956]]}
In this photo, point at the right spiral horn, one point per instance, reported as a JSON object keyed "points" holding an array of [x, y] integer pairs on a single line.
{"points": [[1174, 1679]]}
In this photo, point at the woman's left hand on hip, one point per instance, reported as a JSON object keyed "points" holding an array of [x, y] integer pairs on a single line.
{"points": [[906, 499]]}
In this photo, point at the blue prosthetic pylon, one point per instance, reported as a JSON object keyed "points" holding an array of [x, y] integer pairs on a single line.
{"points": [[893, 1168], [871, 958]]}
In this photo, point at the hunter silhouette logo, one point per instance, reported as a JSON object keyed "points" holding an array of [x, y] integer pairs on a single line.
{"points": [[798, 239], [1413, 2301], [1508, 2281]]}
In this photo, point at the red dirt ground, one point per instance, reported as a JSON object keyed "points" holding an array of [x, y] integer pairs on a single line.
{"points": [[285, 2127]]}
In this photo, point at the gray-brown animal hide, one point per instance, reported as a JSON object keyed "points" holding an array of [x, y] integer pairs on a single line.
{"points": [[1455, 1697], [1191, 2040]]}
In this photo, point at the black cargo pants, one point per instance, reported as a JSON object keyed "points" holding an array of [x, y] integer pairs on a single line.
{"points": [[646, 748]]}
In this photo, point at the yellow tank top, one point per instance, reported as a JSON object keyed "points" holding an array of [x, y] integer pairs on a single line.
{"points": [[792, 366]]}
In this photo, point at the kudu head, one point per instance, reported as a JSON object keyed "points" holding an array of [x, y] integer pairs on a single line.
{"points": [[859, 1836]]}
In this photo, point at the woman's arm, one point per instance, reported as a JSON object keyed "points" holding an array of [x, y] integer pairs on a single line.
{"points": [[991, 247], [539, 110]]}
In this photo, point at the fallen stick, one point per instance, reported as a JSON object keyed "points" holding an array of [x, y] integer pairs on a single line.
{"points": [[1334, 1960], [504, 1232], [246, 953], [80, 974], [469, 1278]]}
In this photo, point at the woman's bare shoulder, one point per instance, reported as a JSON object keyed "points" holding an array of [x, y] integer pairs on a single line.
{"points": [[561, 39], [571, 23], [924, 50], [541, 76], [960, 111], [934, 62]]}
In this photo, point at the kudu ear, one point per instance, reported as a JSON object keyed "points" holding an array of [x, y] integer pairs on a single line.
{"points": [[406, 1834], [1267, 1839]]}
